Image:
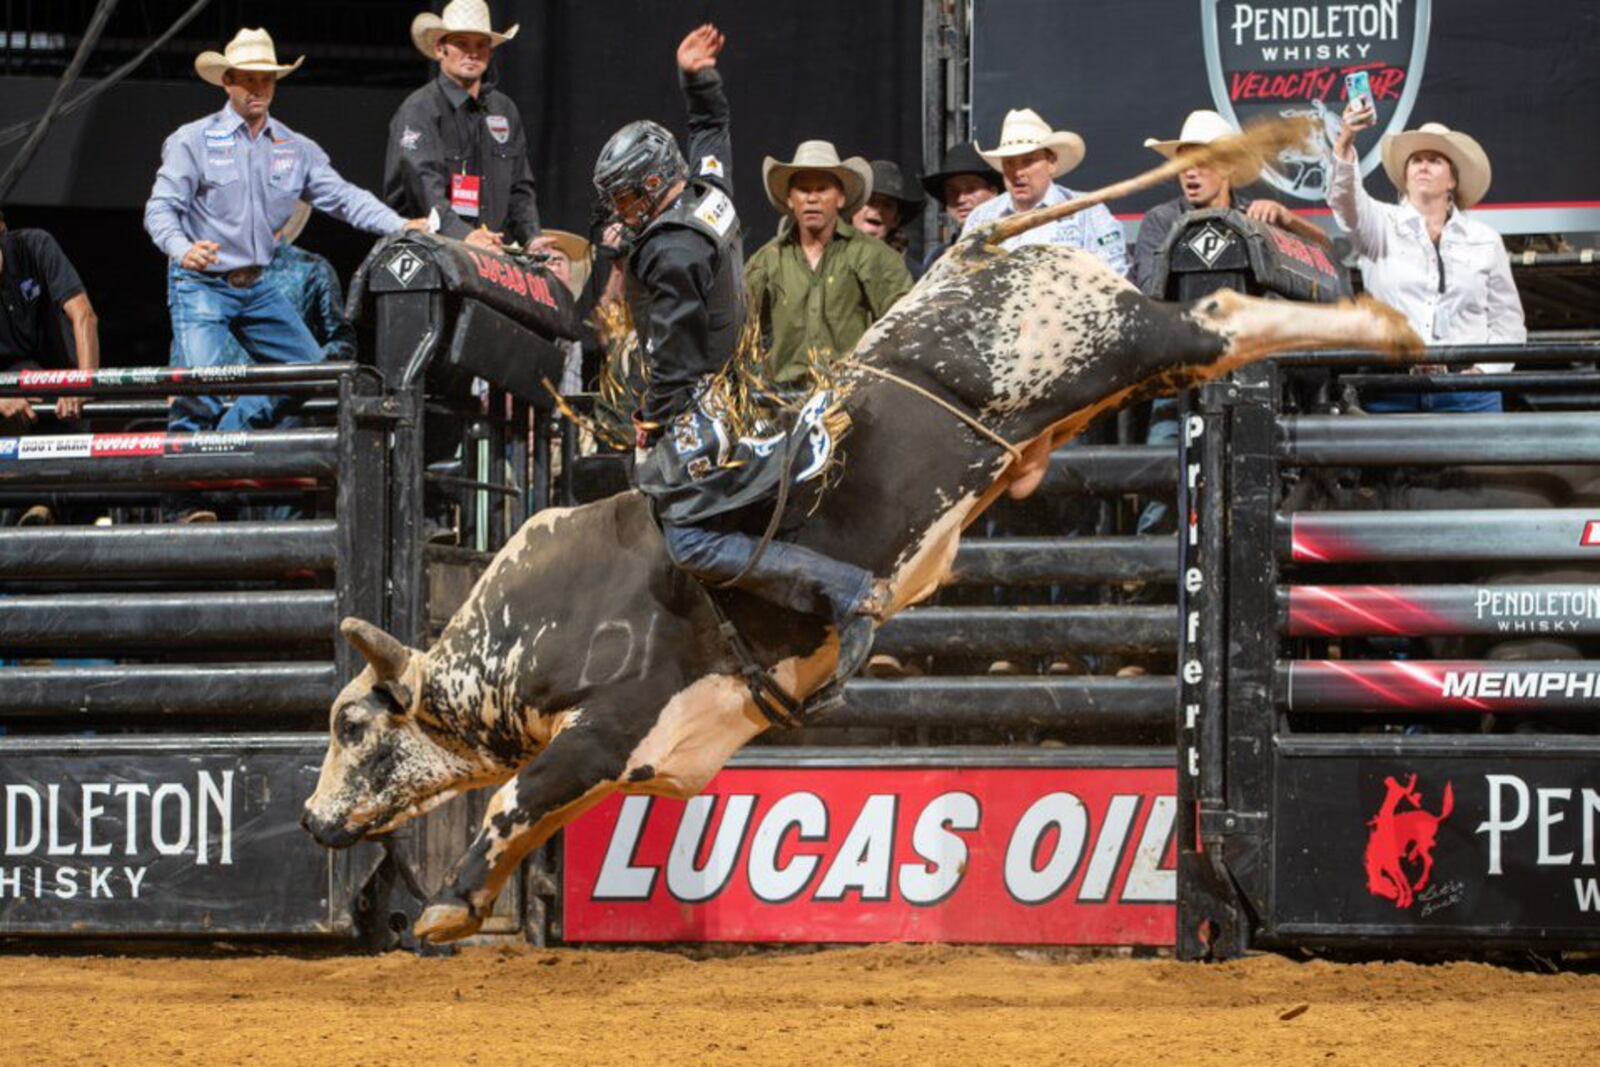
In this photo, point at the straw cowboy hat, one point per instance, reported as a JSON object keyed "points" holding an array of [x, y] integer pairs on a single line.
{"points": [[459, 16], [249, 50], [1472, 162], [290, 231], [855, 174], [1203, 127], [579, 252], [1024, 131]]}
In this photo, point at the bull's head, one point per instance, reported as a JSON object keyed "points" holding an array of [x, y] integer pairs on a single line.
{"points": [[387, 761]]}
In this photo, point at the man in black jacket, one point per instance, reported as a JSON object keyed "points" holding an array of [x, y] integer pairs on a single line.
{"points": [[457, 146], [46, 321], [41, 297], [684, 289]]}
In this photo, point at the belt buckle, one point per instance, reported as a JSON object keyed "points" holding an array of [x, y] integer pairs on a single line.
{"points": [[243, 277]]}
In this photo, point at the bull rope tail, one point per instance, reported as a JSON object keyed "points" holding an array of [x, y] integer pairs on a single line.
{"points": [[1261, 141]]}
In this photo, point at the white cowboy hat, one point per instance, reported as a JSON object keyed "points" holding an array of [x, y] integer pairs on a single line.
{"points": [[1203, 127], [459, 16], [1023, 131], [249, 50], [579, 252], [855, 174], [1472, 162]]}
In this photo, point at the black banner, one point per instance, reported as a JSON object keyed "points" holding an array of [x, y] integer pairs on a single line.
{"points": [[1435, 846], [1519, 78], [161, 838]]}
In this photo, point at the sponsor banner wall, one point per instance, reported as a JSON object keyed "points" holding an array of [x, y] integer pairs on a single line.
{"points": [[125, 841], [1479, 686], [1432, 610], [1439, 845], [1037, 855], [1517, 77]]}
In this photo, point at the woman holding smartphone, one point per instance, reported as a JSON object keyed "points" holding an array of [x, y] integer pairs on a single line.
{"points": [[1425, 256]]}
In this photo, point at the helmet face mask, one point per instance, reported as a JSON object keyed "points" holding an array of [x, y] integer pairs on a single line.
{"points": [[636, 170], [634, 207]]}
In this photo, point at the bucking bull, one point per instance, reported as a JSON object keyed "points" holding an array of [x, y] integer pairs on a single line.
{"points": [[584, 664]]}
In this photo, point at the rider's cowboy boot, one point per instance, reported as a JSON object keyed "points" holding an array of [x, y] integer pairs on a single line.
{"points": [[855, 645]]}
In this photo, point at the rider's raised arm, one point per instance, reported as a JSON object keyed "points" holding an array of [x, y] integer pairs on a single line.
{"points": [[710, 146]]}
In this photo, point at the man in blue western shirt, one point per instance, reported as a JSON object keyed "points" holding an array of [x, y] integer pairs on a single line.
{"points": [[1030, 156], [228, 182]]}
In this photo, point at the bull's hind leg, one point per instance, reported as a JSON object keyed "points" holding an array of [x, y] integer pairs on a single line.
{"points": [[578, 769]]}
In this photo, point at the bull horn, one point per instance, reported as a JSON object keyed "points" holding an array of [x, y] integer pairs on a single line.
{"points": [[387, 655]]}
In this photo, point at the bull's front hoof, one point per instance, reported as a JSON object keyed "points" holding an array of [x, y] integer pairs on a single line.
{"points": [[446, 922]]}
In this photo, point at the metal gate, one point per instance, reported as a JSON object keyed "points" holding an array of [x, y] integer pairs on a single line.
{"points": [[1389, 682]]}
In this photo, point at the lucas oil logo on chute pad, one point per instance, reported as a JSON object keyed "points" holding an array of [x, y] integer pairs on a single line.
{"points": [[1271, 58]]}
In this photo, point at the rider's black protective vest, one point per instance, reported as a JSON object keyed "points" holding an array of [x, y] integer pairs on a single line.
{"points": [[709, 211]]}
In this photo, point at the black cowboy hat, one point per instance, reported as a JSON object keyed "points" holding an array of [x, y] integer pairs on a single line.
{"points": [[887, 180], [959, 159]]}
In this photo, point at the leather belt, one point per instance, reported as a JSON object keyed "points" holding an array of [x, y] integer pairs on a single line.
{"points": [[243, 278]]}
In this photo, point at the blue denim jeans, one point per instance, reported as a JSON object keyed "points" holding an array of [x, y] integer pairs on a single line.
{"points": [[1164, 428], [206, 310], [786, 574], [1404, 403]]}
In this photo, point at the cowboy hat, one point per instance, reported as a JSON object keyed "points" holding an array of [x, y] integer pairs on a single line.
{"points": [[579, 252], [1203, 127], [1471, 161], [959, 159], [290, 231], [459, 16], [887, 180], [855, 174], [249, 50], [1024, 131]]}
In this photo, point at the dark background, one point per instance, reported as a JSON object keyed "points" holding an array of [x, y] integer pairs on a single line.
{"points": [[847, 71], [837, 69]]}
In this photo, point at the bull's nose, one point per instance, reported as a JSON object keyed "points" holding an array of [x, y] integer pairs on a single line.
{"points": [[328, 833]]}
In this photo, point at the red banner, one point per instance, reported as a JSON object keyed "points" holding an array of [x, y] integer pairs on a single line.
{"points": [[1058, 856]]}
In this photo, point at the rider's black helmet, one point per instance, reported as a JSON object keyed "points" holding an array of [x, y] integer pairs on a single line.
{"points": [[639, 164]]}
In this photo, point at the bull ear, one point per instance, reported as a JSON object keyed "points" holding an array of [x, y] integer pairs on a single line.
{"points": [[387, 656]]}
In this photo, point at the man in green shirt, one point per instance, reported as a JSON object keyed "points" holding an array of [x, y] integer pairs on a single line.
{"points": [[820, 283]]}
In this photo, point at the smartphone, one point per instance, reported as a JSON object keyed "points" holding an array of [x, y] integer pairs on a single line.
{"points": [[1358, 90]]}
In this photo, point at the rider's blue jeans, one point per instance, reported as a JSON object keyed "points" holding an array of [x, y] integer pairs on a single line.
{"points": [[786, 574]]}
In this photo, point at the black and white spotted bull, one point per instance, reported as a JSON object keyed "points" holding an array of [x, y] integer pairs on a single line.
{"points": [[585, 664]]}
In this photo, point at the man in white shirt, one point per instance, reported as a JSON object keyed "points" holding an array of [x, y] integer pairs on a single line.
{"points": [[1445, 271], [1030, 156]]}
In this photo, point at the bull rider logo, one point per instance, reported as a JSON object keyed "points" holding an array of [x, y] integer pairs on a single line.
{"points": [[1267, 58], [1400, 848]]}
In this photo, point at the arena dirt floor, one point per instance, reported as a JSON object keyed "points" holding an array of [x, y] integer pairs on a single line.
{"points": [[889, 1005]]}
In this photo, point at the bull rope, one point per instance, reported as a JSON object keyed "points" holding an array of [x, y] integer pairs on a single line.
{"points": [[977, 427]]}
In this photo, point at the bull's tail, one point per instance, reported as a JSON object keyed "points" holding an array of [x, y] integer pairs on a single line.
{"points": [[1260, 143], [1255, 329]]}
